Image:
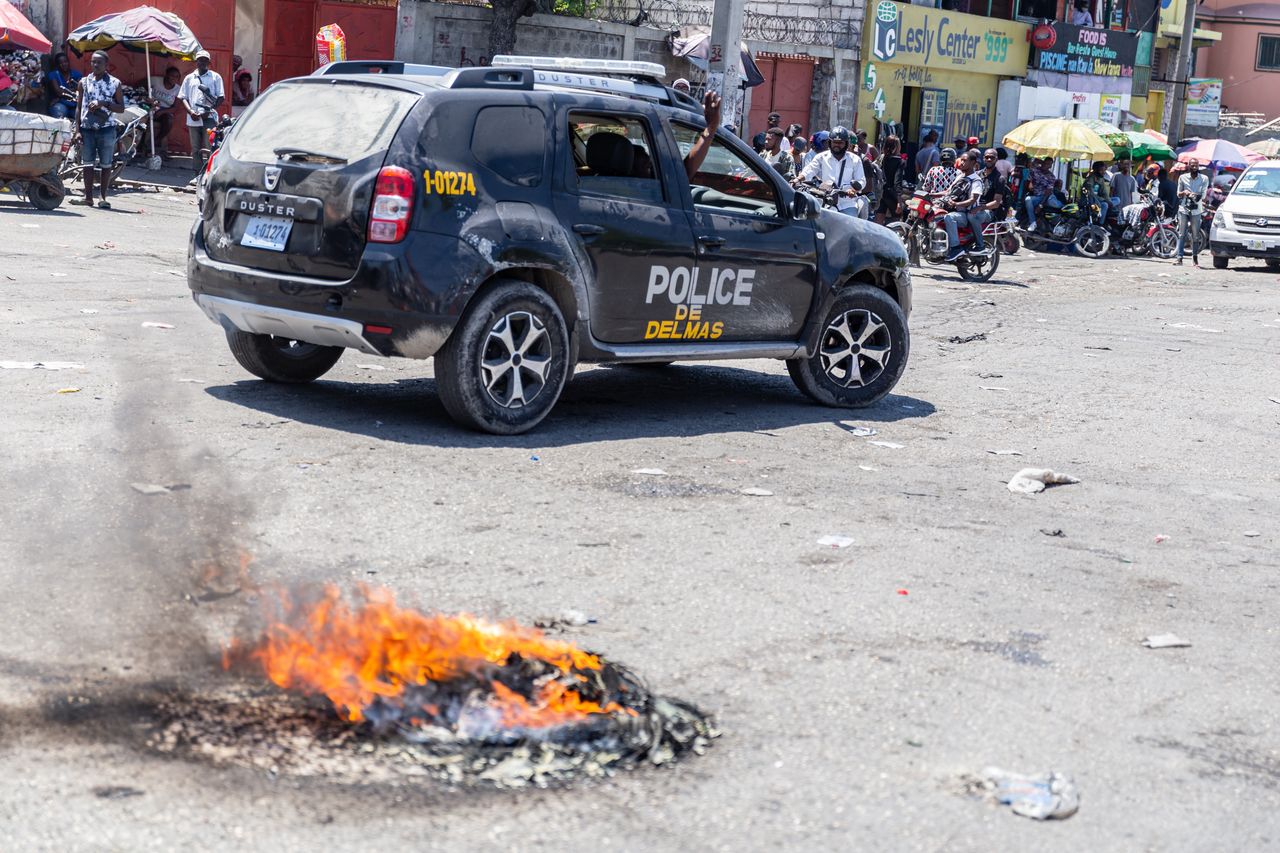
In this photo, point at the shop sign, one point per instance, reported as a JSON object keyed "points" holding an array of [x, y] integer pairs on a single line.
{"points": [[1204, 101], [1109, 109], [1089, 50], [917, 35]]}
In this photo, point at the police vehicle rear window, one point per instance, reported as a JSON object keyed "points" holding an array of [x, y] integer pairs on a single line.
{"points": [[511, 141], [346, 120]]}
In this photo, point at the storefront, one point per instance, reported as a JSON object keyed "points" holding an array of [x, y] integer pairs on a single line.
{"points": [[929, 69], [1082, 72]]}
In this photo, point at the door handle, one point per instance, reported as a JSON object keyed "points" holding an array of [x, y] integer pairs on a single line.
{"points": [[587, 230], [709, 241]]}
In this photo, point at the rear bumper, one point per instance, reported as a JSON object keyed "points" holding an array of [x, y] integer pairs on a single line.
{"points": [[413, 288]]}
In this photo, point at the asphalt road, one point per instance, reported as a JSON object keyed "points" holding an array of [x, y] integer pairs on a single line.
{"points": [[850, 711]]}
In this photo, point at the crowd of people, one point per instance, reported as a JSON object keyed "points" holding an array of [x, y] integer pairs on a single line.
{"points": [[978, 186]]}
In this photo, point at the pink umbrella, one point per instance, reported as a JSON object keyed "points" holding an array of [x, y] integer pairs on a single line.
{"points": [[16, 31], [1219, 154]]}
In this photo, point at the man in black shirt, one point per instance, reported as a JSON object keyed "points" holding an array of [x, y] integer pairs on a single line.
{"points": [[994, 199]]}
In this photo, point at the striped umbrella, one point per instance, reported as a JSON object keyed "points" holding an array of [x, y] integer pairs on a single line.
{"points": [[1219, 154]]}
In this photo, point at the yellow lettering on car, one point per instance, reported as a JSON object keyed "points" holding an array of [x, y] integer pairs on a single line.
{"points": [[449, 183]]}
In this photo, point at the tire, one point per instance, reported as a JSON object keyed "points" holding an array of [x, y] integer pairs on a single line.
{"points": [[1164, 242], [1010, 243], [903, 232], [1273, 264], [1091, 241], [983, 271], [506, 326], [280, 359], [1220, 262], [43, 197], [828, 376]]}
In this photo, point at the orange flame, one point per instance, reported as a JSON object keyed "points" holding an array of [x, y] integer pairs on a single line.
{"points": [[377, 649]]}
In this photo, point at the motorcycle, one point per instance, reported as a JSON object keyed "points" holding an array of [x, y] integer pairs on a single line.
{"points": [[1076, 225], [828, 194], [924, 237], [1147, 232]]}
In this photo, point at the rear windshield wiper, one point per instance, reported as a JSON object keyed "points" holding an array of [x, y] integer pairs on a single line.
{"points": [[309, 156]]}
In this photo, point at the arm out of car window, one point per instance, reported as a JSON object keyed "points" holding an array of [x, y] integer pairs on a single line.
{"points": [[702, 145]]}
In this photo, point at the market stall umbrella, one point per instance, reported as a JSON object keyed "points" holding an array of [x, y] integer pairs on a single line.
{"points": [[1266, 147], [1142, 145], [144, 29], [17, 32], [1157, 135], [1060, 138], [1219, 154], [697, 47], [1113, 135]]}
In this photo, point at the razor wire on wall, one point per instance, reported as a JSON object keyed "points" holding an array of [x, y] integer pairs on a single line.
{"points": [[779, 29]]}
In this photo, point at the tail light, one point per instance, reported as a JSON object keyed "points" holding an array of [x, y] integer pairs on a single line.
{"points": [[392, 205]]}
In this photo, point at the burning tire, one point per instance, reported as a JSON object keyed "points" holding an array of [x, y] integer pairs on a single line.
{"points": [[506, 363], [861, 353], [277, 359]]}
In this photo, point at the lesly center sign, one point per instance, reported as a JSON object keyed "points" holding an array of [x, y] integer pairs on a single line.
{"points": [[916, 35]]}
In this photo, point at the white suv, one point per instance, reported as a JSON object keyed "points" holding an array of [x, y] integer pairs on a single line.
{"points": [[1247, 224]]}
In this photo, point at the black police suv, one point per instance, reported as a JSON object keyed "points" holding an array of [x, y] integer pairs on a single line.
{"points": [[512, 221]]}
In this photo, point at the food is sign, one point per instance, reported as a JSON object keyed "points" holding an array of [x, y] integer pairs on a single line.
{"points": [[1087, 50]]}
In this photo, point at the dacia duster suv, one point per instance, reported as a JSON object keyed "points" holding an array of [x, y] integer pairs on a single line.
{"points": [[514, 220]]}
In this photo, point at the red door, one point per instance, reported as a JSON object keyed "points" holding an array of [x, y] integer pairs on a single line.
{"points": [[288, 41], [787, 90], [370, 30]]}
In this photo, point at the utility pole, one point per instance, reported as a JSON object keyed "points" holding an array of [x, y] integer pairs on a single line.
{"points": [[725, 60], [1181, 73]]}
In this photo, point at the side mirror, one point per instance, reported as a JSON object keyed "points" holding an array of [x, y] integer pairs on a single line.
{"points": [[804, 206]]}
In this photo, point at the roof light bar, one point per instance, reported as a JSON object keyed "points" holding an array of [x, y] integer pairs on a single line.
{"points": [[581, 66]]}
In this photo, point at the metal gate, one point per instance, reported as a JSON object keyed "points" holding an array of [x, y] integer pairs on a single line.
{"points": [[787, 90], [290, 26]]}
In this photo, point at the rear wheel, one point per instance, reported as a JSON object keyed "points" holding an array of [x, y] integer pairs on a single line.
{"points": [[978, 267], [46, 197], [1220, 262], [277, 359], [505, 364], [1092, 241], [861, 354]]}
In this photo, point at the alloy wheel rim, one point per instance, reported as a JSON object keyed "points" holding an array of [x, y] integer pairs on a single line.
{"points": [[855, 348], [515, 360]]}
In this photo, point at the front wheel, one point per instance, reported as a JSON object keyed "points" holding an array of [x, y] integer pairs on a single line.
{"points": [[1163, 241], [906, 234], [277, 359], [1091, 241], [1220, 262], [862, 351], [505, 364], [1273, 264], [46, 196]]}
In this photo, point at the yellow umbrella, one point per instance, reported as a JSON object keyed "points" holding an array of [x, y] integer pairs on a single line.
{"points": [[1060, 138]]}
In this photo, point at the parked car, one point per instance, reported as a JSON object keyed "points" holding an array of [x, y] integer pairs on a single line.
{"points": [[513, 221], [1247, 223]]}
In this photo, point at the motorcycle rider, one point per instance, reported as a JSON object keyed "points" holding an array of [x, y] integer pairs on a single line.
{"points": [[940, 178], [1097, 189], [1192, 188], [1041, 190], [964, 194], [994, 196], [842, 170]]}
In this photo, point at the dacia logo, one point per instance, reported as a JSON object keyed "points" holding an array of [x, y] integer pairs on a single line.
{"points": [[885, 46], [271, 177]]}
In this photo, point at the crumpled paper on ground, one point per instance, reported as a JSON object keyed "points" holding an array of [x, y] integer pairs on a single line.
{"points": [[1029, 481], [1045, 796]]}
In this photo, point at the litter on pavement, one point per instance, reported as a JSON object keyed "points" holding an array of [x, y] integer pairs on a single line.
{"points": [[835, 540], [151, 325], [1005, 452], [40, 365], [1045, 796], [756, 492], [651, 472], [889, 444], [1029, 481], [1166, 641]]}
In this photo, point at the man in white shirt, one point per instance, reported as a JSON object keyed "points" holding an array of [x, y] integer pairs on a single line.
{"points": [[164, 95], [842, 170], [202, 93]]}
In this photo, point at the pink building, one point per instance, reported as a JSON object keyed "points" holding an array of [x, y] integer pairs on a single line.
{"points": [[1248, 57]]}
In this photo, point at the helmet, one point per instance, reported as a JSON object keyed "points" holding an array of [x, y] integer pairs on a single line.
{"points": [[948, 155], [840, 134]]}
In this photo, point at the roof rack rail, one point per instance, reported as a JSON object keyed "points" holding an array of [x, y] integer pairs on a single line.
{"points": [[642, 80], [518, 79], [602, 67]]}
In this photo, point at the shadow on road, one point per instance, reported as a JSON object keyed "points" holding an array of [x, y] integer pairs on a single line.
{"points": [[609, 404]]}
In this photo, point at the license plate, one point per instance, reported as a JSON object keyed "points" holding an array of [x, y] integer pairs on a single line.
{"points": [[267, 232], [1257, 245]]}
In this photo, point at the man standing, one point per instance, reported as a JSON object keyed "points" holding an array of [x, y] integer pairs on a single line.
{"points": [[202, 93], [1041, 188], [775, 120], [100, 96], [1124, 186], [1192, 188], [964, 194], [928, 156], [773, 154], [842, 170]]}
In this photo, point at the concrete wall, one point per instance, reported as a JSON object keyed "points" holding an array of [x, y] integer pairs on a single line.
{"points": [[49, 17]]}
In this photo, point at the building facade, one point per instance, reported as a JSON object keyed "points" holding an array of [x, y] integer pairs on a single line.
{"points": [[1247, 60]]}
